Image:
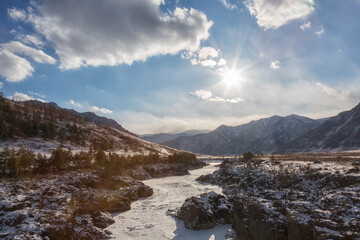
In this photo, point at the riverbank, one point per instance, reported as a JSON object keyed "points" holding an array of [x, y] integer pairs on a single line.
{"points": [[75, 204]]}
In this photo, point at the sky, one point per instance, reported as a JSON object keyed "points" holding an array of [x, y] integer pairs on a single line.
{"points": [[175, 65]]}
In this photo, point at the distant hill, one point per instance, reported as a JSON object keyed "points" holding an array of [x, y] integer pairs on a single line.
{"points": [[165, 137], [338, 133], [264, 135]]}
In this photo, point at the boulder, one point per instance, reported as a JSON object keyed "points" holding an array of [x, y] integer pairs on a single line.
{"points": [[205, 211]]}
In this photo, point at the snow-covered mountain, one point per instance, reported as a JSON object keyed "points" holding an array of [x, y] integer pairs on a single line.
{"points": [[264, 135], [338, 133], [165, 137]]}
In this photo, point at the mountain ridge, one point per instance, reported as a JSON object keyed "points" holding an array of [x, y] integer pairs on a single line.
{"points": [[341, 132], [263, 135]]}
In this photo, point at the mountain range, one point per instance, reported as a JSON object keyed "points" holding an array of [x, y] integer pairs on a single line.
{"points": [[165, 137], [292, 133]]}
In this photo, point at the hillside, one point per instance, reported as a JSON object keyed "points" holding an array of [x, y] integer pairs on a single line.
{"points": [[42, 127], [264, 135], [338, 133]]}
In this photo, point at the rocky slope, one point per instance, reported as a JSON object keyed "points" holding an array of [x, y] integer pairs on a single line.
{"points": [[288, 199], [264, 135], [338, 133]]}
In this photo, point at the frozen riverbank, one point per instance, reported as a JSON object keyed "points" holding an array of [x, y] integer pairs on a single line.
{"points": [[148, 220]]}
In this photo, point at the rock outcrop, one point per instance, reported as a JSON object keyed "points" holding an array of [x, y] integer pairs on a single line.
{"points": [[205, 211], [293, 200]]}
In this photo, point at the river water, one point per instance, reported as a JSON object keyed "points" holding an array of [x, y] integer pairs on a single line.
{"points": [[147, 218]]}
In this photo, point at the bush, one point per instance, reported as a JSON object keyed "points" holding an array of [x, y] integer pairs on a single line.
{"points": [[247, 156]]}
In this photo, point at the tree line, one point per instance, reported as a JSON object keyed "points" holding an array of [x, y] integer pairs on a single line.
{"points": [[26, 163]]}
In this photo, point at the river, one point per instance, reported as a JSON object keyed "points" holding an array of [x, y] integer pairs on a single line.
{"points": [[147, 218]]}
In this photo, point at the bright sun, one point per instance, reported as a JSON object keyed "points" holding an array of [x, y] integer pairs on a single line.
{"points": [[230, 77]]}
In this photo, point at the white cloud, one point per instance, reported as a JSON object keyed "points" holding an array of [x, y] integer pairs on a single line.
{"points": [[205, 56], [102, 110], [202, 94], [13, 67], [331, 91], [194, 61], [222, 62], [321, 31], [95, 33], [24, 97], [275, 13], [27, 39], [228, 5], [1, 85], [36, 54], [275, 64], [30, 39], [72, 102], [208, 63], [208, 96], [305, 26], [206, 52], [16, 14]]}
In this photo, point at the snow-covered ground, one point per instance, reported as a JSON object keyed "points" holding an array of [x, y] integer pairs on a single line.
{"points": [[148, 219]]}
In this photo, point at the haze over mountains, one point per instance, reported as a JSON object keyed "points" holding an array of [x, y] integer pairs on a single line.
{"points": [[277, 134], [165, 137]]}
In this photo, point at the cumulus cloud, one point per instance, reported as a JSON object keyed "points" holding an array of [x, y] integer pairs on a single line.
{"points": [[208, 63], [76, 104], [206, 52], [101, 110], [92, 32], [1, 85], [24, 97], [205, 56], [321, 31], [275, 13], [305, 26], [275, 64], [222, 62], [208, 96], [13, 67], [16, 14]]}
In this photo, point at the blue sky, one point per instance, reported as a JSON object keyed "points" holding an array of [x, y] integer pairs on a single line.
{"points": [[174, 65]]}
